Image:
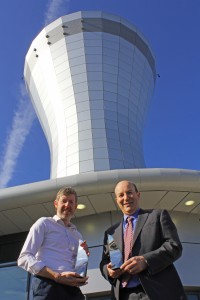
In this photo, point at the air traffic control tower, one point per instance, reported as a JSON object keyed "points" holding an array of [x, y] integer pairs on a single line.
{"points": [[91, 76]]}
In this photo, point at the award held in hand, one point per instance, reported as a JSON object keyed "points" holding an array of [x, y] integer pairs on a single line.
{"points": [[81, 261], [115, 253]]}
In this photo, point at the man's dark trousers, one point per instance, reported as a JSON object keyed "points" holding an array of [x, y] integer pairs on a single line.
{"points": [[47, 289]]}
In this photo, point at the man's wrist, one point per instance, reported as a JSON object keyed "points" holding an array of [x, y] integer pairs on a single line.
{"points": [[57, 277]]}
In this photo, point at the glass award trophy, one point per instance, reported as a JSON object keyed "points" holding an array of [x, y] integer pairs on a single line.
{"points": [[115, 253], [81, 261]]}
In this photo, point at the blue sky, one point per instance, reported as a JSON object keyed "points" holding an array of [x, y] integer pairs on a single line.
{"points": [[171, 137]]}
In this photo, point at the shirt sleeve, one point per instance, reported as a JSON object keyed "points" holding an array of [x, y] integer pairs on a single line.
{"points": [[27, 258]]}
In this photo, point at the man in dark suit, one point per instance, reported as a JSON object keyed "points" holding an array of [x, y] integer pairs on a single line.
{"points": [[148, 273]]}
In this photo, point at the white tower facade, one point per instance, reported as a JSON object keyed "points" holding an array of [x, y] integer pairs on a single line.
{"points": [[91, 76]]}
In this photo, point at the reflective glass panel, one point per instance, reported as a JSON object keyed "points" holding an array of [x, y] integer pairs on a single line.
{"points": [[13, 281], [98, 298], [192, 297]]}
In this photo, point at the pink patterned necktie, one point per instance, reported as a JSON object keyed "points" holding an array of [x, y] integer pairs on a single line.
{"points": [[128, 244], [128, 238]]}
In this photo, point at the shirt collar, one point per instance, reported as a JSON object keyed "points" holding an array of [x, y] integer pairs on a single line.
{"points": [[60, 221], [135, 215]]}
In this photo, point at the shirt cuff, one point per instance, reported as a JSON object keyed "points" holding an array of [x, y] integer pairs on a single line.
{"points": [[36, 267]]}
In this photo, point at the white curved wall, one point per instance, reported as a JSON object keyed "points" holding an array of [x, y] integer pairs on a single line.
{"points": [[91, 76]]}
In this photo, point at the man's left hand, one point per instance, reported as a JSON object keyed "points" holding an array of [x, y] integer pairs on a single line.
{"points": [[85, 247], [134, 265]]}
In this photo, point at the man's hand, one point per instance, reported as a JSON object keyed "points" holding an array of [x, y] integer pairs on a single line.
{"points": [[66, 278], [85, 247], [113, 273], [134, 265], [72, 279]]}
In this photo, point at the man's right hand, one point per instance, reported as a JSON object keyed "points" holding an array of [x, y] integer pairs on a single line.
{"points": [[72, 279], [113, 273]]}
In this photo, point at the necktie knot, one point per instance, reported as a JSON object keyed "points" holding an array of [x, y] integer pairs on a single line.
{"points": [[129, 220]]}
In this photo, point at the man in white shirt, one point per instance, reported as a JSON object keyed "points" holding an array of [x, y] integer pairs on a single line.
{"points": [[50, 250]]}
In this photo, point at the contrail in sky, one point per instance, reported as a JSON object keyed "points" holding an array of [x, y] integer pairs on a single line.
{"points": [[24, 114], [21, 125], [54, 10]]}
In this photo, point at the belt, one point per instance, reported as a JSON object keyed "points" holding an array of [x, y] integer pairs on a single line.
{"points": [[48, 280], [52, 282], [127, 290]]}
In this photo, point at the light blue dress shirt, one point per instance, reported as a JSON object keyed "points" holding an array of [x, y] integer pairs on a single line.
{"points": [[50, 243]]}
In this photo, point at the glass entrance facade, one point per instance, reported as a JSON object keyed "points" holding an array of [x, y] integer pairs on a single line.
{"points": [[15, 285], [13, 282]]}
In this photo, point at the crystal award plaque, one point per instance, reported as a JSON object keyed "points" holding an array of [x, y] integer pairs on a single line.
{"points": [[81, 261], [115, 253]]}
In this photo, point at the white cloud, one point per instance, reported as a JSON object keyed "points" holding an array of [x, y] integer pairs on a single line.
{"points": [[55, 9], [21, 125]]}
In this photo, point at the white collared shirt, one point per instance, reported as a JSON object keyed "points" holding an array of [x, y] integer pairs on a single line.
{"points": [[52, 244]]}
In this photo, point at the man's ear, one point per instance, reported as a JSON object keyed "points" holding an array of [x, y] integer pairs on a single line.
{"points": [[138, 194], [55, 203]]}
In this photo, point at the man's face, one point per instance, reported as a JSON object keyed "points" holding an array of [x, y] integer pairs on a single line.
{"points": [[65, 206], [127, 198]]}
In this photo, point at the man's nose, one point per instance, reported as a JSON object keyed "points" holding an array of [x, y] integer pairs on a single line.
{"points": [[125, 196]]}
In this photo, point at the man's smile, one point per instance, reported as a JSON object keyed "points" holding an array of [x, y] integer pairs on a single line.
{"points": [[128, 203]]}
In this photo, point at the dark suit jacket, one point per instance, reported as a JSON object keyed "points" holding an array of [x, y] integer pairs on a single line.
{"points": [[155, 238]]}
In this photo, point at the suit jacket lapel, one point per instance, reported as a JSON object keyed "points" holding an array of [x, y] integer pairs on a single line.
{"points": [[118, 237], [118, 233], [140, 223]]}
